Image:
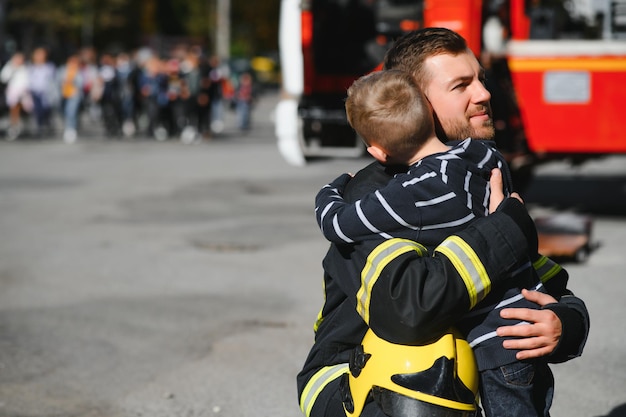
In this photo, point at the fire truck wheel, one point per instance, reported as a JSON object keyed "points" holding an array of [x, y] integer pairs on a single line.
{"points": [[582, 255]]}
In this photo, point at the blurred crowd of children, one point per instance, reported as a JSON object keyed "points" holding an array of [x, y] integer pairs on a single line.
{"points": [[182, 95]]}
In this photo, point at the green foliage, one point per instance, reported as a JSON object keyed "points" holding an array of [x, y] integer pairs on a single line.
{"points": [[69, 14], [201, 18], [254, 25]]}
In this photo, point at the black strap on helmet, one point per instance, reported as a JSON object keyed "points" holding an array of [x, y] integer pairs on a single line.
{"points": [[394, 404]]}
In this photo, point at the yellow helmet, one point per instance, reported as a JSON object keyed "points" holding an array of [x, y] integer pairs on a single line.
{"points": [[438, 379]]}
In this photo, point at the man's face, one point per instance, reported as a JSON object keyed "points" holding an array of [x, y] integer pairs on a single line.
{"points": [[458, 96]]}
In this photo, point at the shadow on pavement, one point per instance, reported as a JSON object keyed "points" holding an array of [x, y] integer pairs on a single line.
{"points": [[599, 195], [619, 411]]}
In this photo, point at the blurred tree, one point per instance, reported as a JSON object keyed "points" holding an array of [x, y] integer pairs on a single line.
{"points": [[254, 27], [66, 25]]}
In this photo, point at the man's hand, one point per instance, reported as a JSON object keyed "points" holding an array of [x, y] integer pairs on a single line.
{"points": [[538, 338], [497, 190]]}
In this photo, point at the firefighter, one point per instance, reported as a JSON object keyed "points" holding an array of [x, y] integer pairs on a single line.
{"points": [[407, 298]]}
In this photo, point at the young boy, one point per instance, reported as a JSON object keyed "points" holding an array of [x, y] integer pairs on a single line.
{"points": [[445, 187]]}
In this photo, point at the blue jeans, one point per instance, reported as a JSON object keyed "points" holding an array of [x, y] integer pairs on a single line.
{"points": [[41, 108], [243, 114], [217, 109], [71, 110], [519, 389]]}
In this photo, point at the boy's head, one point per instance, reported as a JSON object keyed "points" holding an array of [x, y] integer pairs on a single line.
{"points": [[390, 113]]}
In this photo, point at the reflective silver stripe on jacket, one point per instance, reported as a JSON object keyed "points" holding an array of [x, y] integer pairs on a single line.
{"points": [[546, 268], [469, 267], [377, 260], [317, 383]]}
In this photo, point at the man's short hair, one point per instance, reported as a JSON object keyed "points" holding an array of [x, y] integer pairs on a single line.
{"points": [[409, 52]]}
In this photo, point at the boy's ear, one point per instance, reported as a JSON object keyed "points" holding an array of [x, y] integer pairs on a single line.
{"points": [[378, 153]]}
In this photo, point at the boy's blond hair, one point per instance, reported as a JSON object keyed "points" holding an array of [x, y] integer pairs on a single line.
{"points": [[387, 109]]}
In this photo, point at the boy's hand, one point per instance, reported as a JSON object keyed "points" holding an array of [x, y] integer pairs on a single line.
{"points": [[542, 333], [497, 190]]}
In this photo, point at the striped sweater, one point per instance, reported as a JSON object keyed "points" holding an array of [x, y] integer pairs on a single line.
{"points": [[439, 195]]}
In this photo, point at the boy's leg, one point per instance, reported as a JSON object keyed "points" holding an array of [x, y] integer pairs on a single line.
{"points": [[517, 389]]}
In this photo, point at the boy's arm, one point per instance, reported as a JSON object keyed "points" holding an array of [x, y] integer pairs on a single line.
{"points": [[387, 212], [331, 195], [343, 222]]}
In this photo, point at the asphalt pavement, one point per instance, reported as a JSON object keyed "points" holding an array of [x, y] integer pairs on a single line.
{"points": [[145, 278]]}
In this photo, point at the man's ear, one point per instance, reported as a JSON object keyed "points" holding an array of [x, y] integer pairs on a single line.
{"points": [[378, 153]]}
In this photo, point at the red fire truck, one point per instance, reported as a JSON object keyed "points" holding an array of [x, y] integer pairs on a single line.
{"points": [[556, 70]]}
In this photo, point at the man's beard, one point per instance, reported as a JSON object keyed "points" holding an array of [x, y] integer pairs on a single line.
{"points": [[462, 130]]}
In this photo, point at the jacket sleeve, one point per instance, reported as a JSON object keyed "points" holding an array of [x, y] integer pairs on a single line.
{"points": [[395, 209], [552, 276], [575, 323], [328, 201], [409, 296], [384, 213]]}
